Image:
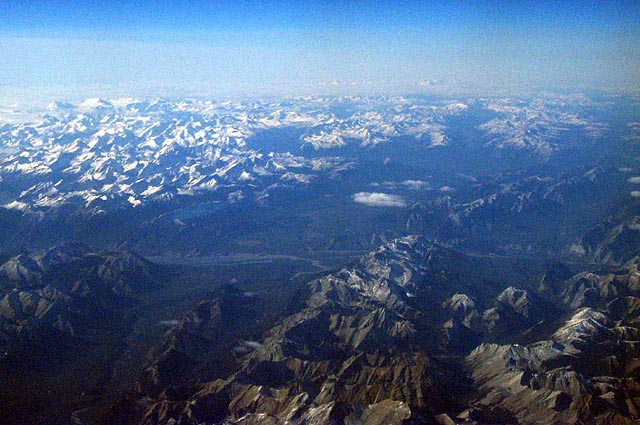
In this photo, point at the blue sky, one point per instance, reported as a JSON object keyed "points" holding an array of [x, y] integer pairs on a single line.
{"points": [[77, 48]]}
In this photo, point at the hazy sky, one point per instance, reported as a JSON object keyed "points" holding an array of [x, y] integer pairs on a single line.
{"points": [[77, 48]]}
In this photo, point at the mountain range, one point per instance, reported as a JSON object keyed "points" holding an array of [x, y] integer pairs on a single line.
{"points": [[321, 260]]}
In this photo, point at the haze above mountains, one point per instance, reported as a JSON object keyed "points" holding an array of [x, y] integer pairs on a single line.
{"points": [[74, 49]]}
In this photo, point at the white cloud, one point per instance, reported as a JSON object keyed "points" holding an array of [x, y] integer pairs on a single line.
{"points": [[377, 199], [406, 184], [634, 180], [636, 193]]}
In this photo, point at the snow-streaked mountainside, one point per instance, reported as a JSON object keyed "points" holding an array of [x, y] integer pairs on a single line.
{"points": [[108, 154]]}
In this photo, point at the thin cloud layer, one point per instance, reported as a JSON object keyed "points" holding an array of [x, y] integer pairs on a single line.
{"points": [[415, 184]]}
